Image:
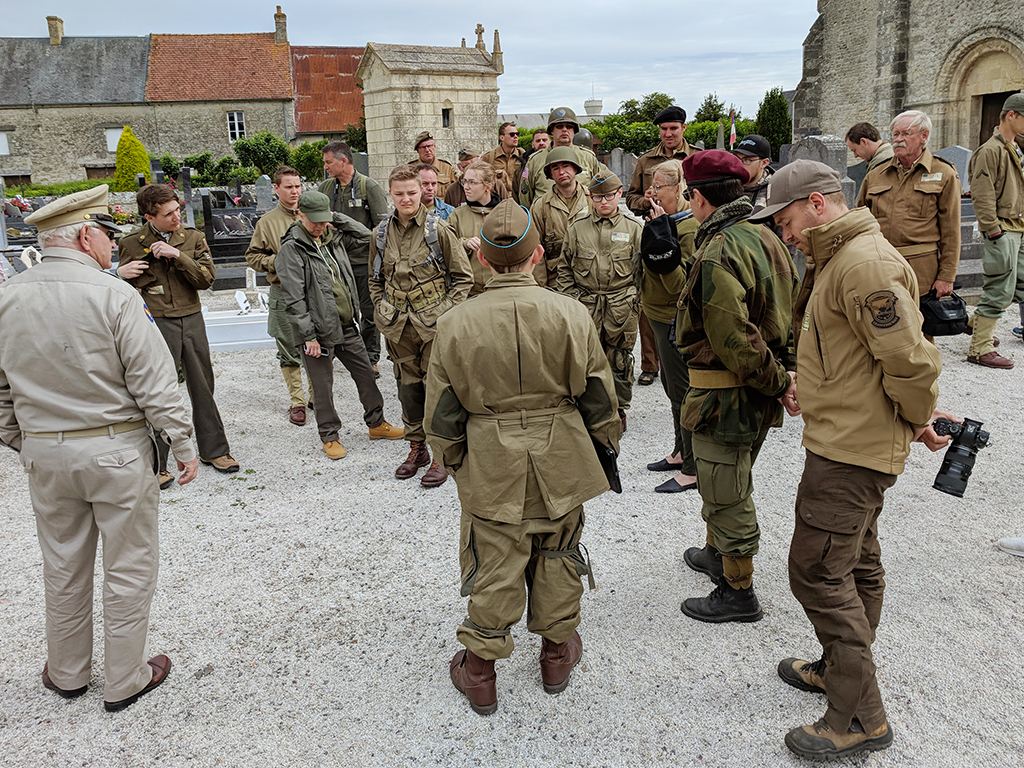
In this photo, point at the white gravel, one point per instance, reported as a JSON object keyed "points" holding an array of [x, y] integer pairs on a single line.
{"points": [[310, 609]]}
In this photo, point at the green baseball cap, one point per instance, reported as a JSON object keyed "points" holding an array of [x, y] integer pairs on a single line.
{"points": [[1015, 102], [315, 206]]}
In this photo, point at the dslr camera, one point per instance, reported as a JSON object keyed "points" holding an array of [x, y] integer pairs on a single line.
{"points": [[957, 464]]}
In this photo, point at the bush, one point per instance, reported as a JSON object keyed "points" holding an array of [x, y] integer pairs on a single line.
{"points": [[170, 167], [645, 110], [707, 132], [773, 120], [55, 190], [355, 136], [132, 159], [201, 164], [617, 131], [263, 150], [308, 159]]}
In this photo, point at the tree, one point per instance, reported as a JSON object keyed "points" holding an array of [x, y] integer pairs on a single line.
{"points": [[617, 131], [263, 150], [169, 166], [201, 164], [711, 109], [132, 159], [645, 110], [355, 136], [773, 120], [308, 159]]}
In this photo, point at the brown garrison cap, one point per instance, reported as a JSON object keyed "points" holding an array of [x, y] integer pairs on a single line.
{"points": [[1015, 102], [468, 154], [424, 136], [508, 236], [605, 185], [89, 205], [796, 181]]}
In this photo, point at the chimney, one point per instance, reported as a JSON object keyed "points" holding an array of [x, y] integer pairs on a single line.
{"points": [[56, 25], [280, 28]]}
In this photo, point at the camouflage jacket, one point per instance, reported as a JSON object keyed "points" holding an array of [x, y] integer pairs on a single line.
{"points": [[734, 327]]}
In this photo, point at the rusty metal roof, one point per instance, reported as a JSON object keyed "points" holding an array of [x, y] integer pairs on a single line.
{"points": [[326, 97]]}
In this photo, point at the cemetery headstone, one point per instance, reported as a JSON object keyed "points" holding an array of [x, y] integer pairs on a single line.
{"points": [[830, 150], [140, 180], [264, 194], [857, 172], [960, 157], [204, 194], [720, 141], [185, 177]]}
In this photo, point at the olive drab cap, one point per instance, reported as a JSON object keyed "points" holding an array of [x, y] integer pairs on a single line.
{"points": [[423, 136], [89, 205], [562, 155], [796, 181], [468, 154], [508, 236], [315, 206], [605, 185], [1015, 102], [562, 115]]}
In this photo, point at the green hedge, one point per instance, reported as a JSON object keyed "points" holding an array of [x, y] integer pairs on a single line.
{"points": [[55, 190]]}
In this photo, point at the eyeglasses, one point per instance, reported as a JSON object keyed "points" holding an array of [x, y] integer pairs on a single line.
{"points": [[686, 194], [563, 125], [105, 231], [470, 182], [604, 198], [750, 159], [904, 134], [512, 133], [656, 188]]}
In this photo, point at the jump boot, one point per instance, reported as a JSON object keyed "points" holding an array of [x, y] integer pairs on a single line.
{"points": [[732, 600], [418, 456], [707, 560], [475, 678], [557, 661]]}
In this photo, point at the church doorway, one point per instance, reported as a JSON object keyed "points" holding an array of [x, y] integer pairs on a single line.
{"points": [[991, 106]]}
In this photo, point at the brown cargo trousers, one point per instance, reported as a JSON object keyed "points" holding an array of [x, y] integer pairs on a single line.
{"points": [[836, 573], [504, 564], [411, 356]]}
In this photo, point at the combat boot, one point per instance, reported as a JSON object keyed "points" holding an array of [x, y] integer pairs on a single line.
{"points": [[724, 604], [557, 661], [418, 456], [819, 741], [804, 675], [475, 677], [707, 560]]}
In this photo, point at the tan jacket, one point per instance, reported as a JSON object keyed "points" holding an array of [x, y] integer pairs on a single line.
{"points": [[80, 351], [497, 414], [170, 287], [919, 213], [659, 294], [411, 287], [552, 215], [643, 174], [446, 174], [508, 168], [466, 222], [266, 241], [997, 185], [534, 184], [882, 155], [865, 374]]}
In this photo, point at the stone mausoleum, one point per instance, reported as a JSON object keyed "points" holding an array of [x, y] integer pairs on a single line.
{"points": [[956, 60]]}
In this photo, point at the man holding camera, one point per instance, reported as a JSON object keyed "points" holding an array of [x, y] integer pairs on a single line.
{"points": [[867, 385]]}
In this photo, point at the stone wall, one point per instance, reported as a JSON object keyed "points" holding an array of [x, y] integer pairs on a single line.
{"points": [[55, 144]]}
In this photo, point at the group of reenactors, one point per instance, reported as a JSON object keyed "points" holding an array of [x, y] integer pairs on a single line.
{"points": [[510, 320]]}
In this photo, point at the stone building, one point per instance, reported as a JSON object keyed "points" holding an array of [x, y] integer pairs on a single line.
{"points": [[451, 92], [957, 61]]}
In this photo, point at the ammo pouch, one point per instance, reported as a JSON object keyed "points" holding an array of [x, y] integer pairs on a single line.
{"points": [[421, 296], [946, 316]]}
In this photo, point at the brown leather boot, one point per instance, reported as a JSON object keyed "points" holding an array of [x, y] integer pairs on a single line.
{"points": [[434, 476], [557, 661], [418, 456], [475, 677]]}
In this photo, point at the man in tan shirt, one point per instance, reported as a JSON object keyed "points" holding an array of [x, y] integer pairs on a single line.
{"points": [[507, 157]]}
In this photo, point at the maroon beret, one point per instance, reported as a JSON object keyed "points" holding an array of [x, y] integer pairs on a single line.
{"points": [[713, 165]]}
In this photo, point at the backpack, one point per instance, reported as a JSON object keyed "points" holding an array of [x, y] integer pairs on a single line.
{"points": [[429, 236]]}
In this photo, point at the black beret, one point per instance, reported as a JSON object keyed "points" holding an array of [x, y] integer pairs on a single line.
{"points": [[671, 114]]}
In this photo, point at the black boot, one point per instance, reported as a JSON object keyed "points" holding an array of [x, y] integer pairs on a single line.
{"points": [[724, 604], [707, 560]]}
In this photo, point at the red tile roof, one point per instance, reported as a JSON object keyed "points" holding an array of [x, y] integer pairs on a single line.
{"points": [[326, 97], [242, 67]]}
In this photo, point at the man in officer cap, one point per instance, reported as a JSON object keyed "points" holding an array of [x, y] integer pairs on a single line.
{"points": [[426, 149], [601, 267], [563, 204], [671, 123], [521, 450], [563, 126], [734, 330], [84, 373]]}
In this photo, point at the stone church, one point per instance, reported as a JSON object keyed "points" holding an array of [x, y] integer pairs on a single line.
{"points": [[955, 60]]}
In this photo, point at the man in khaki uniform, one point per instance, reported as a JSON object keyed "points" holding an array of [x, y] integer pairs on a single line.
{"points": [[671, 123], [507, 157], [419, 271], [521, 451], [260, 256], [426, 149], [916, 199], [997, 189], [82, 371], [565, 203], [563, 126], [172, 264], [601, 267]]}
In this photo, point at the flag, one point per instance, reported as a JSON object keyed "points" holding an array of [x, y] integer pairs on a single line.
{"points": [[732, 130]]}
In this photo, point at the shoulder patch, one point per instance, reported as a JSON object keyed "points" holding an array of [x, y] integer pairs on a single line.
{"points": [[882, 306]]}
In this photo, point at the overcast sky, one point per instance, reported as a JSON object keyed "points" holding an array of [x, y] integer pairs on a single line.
{"points": [[556, 54]]}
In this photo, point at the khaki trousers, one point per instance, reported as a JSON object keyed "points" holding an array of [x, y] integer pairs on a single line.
{"points": [[504, 571], [411, 355], [836, 573], [83, 488], [648, 347]]}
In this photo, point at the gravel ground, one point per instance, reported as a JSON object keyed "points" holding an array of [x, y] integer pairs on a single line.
{"points": [[310, 609]]}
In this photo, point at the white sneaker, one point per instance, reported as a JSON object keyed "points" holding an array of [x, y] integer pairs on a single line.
{"points": [[1014, 546]]}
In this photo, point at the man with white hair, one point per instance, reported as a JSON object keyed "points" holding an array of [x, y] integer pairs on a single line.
{"points": [[915, 197], [77, 402]]}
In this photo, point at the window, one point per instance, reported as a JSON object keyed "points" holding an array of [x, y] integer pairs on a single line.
{"points": [[17, 181], [113, 136], [5, 148], [446, 118], [100, 171], [236, 125]]}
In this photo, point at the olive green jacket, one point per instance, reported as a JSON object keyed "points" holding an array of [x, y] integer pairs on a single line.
{"points": [[528, 403], [170, 287], [534, 184], [997, 185], [552, 214], [735, 322], [266, 241]]}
